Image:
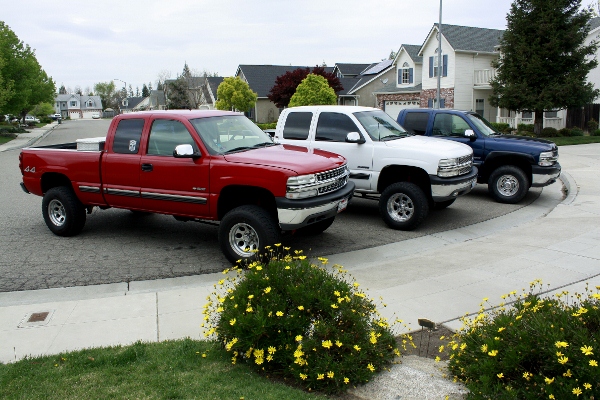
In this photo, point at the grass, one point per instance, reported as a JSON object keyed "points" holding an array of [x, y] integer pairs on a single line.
{"points": [[4, 139], [181, 369], [567, 141]]}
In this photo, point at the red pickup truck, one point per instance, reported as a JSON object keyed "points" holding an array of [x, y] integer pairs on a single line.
{"points": [[194, 165]]}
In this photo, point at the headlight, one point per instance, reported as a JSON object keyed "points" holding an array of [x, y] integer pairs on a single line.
{"points": [[301, 180], [301, 186], [548, 158]]}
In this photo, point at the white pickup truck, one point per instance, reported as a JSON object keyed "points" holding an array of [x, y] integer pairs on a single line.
{"points": [[408, 174]]}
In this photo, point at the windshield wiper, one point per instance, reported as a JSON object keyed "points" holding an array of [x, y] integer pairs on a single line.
{"points": [[256, 146], [392, 137]]}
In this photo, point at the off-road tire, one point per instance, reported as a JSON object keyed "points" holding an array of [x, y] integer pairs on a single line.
{"points": [[508, 184], [440, 205], [63, 212], [403, 206], [317, 227], [247, 227]]}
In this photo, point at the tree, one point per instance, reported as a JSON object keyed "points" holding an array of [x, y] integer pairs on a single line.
{"points": [[107, 93], [145, 91], [78, 90], [314, 90], [544, 62], [42, 110], [286, 84], [25, 83], [235, 94], [178, 95], [62, 90]]}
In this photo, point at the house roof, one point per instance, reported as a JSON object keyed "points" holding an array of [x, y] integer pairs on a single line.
{"points": [[372, 72], [468, 38], [210, 89], [261, 78], [96, 100], [413, 52], [391, 88], [132, 102], [594, 23], [347, 69]]}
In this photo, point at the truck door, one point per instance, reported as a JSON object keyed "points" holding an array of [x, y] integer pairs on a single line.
{"points": [[121, 166], [453, 127], [330, 134], [173, 185]]}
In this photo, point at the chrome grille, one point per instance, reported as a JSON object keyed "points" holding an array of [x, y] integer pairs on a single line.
{"points": [[331, 174]]}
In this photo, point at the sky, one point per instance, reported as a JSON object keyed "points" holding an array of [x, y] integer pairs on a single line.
{"points": [[82, 43]]}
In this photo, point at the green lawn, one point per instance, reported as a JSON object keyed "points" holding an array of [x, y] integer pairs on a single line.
{"points": [[182, 369], [4, 139], [566, 141]]}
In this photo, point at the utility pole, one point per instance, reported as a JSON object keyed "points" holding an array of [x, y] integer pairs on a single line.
{"points": [[439, 53]]}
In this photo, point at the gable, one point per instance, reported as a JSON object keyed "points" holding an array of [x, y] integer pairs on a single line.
{"points": [[466, 38]]}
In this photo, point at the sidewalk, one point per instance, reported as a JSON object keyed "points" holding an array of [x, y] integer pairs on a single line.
{"points": [[27, 139], [440, 277]]}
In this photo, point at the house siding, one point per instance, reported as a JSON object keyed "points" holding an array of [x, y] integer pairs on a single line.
{"points": [[429, 51], [366, 97]]}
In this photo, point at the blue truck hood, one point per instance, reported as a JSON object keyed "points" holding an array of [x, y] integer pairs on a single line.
{"points": [[523, 144]]}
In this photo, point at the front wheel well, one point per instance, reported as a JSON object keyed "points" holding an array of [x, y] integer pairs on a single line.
{"points": [[400, 173], [53, 179], [490, 165], [238, 195]]}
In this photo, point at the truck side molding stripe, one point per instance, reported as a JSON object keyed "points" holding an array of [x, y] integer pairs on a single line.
{"points": [[121, 192], [173, 197], [89, 189]]}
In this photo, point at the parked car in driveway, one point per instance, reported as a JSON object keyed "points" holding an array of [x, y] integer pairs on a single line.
{"points": [[56, 116], [95, 115]]}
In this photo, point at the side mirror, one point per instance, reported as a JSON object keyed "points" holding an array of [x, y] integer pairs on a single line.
{"points": [[185, 151], [354, 137], [470, 134]]}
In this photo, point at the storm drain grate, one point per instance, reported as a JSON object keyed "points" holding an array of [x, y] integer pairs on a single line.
{"points": [[40, 318]]}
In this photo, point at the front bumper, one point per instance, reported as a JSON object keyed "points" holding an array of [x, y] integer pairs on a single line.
{"points": [[295, 214], [544, 176], [443, 189]]}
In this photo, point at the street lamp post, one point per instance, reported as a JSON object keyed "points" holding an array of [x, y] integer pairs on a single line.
{"points": [[124, 83], [439, 63]]}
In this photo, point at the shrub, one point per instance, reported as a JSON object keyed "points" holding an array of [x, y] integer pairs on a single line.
{"points": [[538, 348], [592, 125], [596, 132], [565, 132], [287, 316], [525, 128], [501, 127], [576, 132], [270, 125], [549, 132]]}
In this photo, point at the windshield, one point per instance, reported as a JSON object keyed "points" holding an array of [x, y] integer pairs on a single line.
{"points": [[380, 126], [482, 125], [230, 133]]}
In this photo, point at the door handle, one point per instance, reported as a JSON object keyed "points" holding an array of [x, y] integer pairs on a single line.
{"points": [[147, 167]]}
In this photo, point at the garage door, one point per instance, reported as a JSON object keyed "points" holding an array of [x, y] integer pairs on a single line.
{"points": [[392, 108]]}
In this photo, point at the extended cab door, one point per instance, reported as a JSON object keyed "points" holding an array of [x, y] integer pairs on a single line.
{"points": [[453, 127], [121, 165], [171, 185], [330, 134]]}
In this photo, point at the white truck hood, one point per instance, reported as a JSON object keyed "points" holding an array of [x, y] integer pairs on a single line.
{"points": [[441, 147]]}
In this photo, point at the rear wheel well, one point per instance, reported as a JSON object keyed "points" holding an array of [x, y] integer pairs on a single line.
{"points": [[400, 173], [490, 165], [235, 196], [53, 179]]}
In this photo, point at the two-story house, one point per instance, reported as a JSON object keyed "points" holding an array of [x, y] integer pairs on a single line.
{"points": [[77, 106]]}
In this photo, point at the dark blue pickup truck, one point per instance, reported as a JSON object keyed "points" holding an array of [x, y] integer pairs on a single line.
{"points": [[509, 164]]}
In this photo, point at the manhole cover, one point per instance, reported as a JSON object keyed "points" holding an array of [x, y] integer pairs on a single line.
{"points": [[39, 318]]}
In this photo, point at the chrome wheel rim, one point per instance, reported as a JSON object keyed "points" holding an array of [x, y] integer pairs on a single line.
{"points": [[243, 239], [57, 213], [507, 185], [400, 207]]}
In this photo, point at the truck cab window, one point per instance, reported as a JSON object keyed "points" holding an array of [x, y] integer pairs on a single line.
{"points": [[166, 135], [334, 127], [449, 125], [127, 136], [416, 123], [297, 125]]}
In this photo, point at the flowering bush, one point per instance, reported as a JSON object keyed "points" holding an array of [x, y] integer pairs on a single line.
{"points": [[287, 316], [540, 348]]}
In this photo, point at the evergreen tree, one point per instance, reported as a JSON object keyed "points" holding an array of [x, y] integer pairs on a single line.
{"points": [[314, 90], [178, 95], [544, 63], [62, 90], [145, 91]]}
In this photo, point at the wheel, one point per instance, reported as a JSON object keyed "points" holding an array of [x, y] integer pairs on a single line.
{"points": [[317, 227], [443, 204], [403, 206], [246, 228], [508, 184], [63, 212]]}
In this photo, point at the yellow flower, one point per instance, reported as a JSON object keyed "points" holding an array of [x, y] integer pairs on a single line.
{"points": [[370, 367], [250, 296], [249, 309], [559, 354], [259, 268], [267, 289], [587, 386], [271, 349], [527, 375], [232, 321], [587, 350], [484, 348], [279, 313], [298, 338], [334, 306], [493, 353], [441, 348], [287, 267], [330, 374], [346, 381], [593, 363], [303, 377], [561, 344], [338, 343], [551, 396], [567, 374], [337, 293], [356, 284], [326, 343], [549, 381], [500, 375], [501, 329], [356, 347], [300, 308], [437, 359], [577, 391], [563, 360], [320, 376]]}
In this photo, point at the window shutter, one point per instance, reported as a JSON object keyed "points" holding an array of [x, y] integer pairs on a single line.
{"points": [[410, 75], [442, 103], [399, 81], [445, 71], [429, 103], [431, 67]]}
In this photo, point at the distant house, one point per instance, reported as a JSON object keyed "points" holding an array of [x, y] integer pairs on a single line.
{"points": [[128, 105], [155, 101], [261, 78], [77, 106], [209, 92]]}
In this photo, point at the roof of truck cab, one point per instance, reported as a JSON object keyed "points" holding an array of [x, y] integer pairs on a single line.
{"points": [[349, 109], [189, 114]]}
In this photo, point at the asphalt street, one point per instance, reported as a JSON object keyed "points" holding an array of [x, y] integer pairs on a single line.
{"points": [[118, 246]]}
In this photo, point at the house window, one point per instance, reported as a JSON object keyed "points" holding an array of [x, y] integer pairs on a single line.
{"points": [[479, 106], [73, 104], [405, 74], [90, 103], [433, 65], [551, 114]]}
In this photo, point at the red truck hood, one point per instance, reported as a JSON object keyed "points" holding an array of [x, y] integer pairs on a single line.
{"points": [[295, 158]]}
